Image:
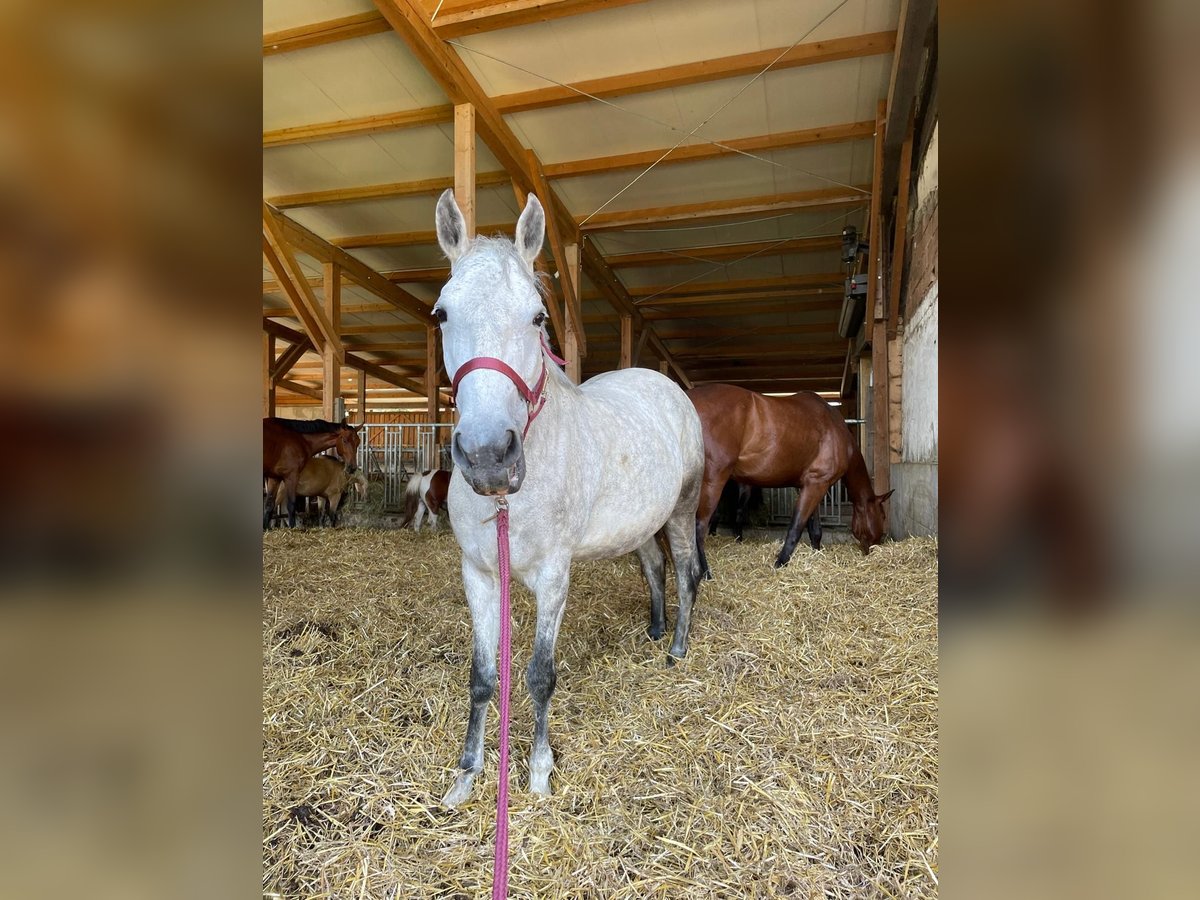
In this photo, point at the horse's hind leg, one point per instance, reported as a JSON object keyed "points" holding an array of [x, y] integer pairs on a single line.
{"points": [[654, 570], [541, 676], [706, 511], [814, 530], [688, 570], [483, 599], [743, 511]]}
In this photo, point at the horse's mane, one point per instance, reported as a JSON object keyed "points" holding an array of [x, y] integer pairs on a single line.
{"points": [[309, 426]]}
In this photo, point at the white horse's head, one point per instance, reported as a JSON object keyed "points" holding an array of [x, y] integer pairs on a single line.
{"points": [[491, 308]]}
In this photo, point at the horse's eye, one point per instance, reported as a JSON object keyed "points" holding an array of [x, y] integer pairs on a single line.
{"points": [[439, 314], [539, 320]]}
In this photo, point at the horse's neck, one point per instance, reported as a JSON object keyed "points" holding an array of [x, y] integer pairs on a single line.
{"points": [[558, 412], [858, 480], [320, 440]]}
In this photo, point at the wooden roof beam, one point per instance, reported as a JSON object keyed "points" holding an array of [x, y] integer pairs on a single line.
{"points": [[685, 255], [824, 198], [327, 32], [282, 261], [411, 22], [704, 70], [404, 17], [807, 137], [477, 16], [357, 271], [718, 298], [916, 18], [663, 292], [431, 186], [410, 238]]}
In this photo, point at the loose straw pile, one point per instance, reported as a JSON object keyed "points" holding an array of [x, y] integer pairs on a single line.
{"points": [[794, 752]]}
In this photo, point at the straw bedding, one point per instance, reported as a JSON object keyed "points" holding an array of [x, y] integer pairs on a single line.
{"points": [[794, 752]]}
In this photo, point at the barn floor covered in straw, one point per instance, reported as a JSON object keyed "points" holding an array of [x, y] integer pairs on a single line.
{"points": [[794, 752]]}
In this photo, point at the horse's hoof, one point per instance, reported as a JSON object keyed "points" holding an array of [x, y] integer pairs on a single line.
{"points": [[670, 661], [655, 632], [540, 786], [460, 791], [780, 563]]}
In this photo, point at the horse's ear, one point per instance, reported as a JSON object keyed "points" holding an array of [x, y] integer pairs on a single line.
{"points": [[531, 230], [451, 226], [888, 494]]}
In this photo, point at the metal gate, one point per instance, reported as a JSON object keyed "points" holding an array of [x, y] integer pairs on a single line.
{"points": [[833, 509], [392, 452]]}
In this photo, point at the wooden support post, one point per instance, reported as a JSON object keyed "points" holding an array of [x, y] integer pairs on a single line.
{"points": [[626, 342], [331, 370], [900, 238], [362, 396], [877, 309], [665, 368], [576, 345], [268, 382], [431, 379], [641, 344], [561, 232], [464, 163]]}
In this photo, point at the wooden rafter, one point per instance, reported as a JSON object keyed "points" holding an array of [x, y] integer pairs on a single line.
{"points": [[722, 297], [357, 271], [354, 361], [410, 238], [774, 307], [456, 19], [824, 198], [327, 32], [411, 22], [323, 131], [613, 86], [431, 186], [286, 360], [282, 261], [556, 231], [663, 292], [701, 71], [685, 255], [916, 16], [808, 137]]}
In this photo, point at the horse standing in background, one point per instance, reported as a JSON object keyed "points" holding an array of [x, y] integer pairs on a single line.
{"points": [[330, 481], [426, 492], [561, 459], [797, 441], [287, 445]]}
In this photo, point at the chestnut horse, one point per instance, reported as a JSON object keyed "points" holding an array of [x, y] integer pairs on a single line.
{"points": [[797, 441], [287, 445], [426, 493]]}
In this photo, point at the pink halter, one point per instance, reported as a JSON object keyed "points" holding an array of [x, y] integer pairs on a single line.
{"points": [[535, 397]]}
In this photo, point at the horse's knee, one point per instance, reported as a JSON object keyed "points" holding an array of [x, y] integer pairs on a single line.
{"points": [[483, 683], [540, 678]]}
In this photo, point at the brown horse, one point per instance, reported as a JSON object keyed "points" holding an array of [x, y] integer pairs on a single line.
{"points": [[287, 445], [329, 480], [426, 493], [797, 441]]}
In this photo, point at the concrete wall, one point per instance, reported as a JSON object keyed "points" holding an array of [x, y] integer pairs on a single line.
{"points": [[913, 508]]}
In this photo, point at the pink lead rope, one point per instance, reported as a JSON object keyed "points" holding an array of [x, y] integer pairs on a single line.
{"points": [[535, 399], [500, 872]]}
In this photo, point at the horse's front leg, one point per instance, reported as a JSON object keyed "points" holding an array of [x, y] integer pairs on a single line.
{"points": [[550, 586], [483, 599]]}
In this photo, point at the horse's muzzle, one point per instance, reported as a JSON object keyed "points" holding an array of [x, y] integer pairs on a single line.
{"points": [[490, 468]]}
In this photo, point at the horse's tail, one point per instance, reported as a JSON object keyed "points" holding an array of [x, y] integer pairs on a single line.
{"points": [[412, 499]]}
